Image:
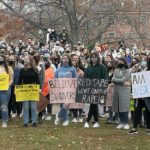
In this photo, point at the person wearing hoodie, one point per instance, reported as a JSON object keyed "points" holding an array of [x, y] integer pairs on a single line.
{"points": [[94, 71]]}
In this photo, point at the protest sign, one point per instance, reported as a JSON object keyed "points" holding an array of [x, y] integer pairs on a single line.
{"points": [[27, 92], [4, 82], [62, 90], [141, 84], [91, 91]]}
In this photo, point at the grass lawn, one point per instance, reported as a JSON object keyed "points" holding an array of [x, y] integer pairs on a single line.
{"points": [[74, 137]]}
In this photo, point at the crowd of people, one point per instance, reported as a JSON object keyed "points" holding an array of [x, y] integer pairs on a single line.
{"points": [[34, 62]]}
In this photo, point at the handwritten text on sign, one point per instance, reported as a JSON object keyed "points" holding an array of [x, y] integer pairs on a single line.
{"points": [[4, 82], [27, 92], [62, 90], [141, 84], [91, 91]]}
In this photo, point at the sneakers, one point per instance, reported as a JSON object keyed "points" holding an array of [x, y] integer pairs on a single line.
{"points": [[80, 119], [48, 118], [120, 126], [133, 131], [14, 115], [74, 120], [4, 125], [96, 125], [57, 120], [43, 117], [86, 125], [126, 127], [66, 123]]}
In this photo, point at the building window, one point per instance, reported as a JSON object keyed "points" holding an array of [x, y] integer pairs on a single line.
{"points": [[111, 35], [111, 19], [143, 18], [134, 3], [122, 4], [129, 34]]}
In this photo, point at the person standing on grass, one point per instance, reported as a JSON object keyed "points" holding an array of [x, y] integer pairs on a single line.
{"points": [[94, 71], [49, 74], [121, 96], [65, 71], [29, 75], [80, 74], [5, 94], [142, 103]]}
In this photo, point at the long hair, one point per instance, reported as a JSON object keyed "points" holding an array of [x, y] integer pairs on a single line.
{"points": [[14, 58], [97, 55], [36, 57], [79, 61], [32, 63], [70, 63], [5, 63]]}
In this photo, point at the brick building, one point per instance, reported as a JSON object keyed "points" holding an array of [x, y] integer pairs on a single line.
{"points": [[130, 22]]}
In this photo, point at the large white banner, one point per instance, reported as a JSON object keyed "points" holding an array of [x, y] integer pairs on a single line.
{"points": [[141, 84]]}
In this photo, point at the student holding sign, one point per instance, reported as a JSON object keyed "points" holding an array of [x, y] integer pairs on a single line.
{"points": [[142, 102], [29, 75], [6, 78], [65, 71], [94, 71]]}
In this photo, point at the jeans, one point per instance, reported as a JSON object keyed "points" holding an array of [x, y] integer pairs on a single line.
{"points": [[4, 99], [123, 117], [63, 113], [29, 105]]}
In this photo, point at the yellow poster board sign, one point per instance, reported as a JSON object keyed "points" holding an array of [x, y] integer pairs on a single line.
{"points": [[27, 92], [4, 82]]}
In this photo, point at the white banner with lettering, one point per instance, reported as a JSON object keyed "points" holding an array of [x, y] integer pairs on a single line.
{"points": [[141, 84]]}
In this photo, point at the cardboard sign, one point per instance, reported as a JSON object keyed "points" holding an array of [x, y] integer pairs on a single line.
{"points": [[62, 90], [4, 82], [91, 91], [27, 92], [41, 105], [141, 84]]}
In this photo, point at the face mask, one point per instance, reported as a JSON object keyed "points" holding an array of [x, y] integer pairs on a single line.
{"points": [[94, 60], [11, 62], [143, 64], [120, 65], [1, 62]]}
